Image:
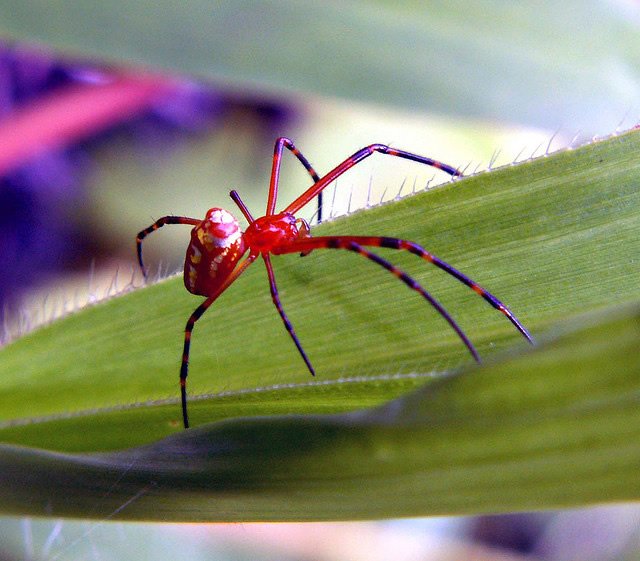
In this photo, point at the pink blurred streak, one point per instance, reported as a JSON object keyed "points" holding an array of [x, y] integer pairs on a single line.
{"points": [[75, 113]]}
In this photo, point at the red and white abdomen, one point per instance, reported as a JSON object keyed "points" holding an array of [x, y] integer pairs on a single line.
{"points": [[216, 246]]}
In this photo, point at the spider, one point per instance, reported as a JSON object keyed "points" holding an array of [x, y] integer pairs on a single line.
{"points": [[214, 256]]}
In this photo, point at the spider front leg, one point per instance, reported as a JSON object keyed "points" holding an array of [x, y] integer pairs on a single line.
{"points": [[287, 143], [338, 242], [356, 158], [414, 285], [184, 367], [158, 224], [355, 243], [341, 242], [195, 316], [411, 247]]}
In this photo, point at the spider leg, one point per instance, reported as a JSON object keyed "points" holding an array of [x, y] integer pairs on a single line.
{"points": [[287, 324], [339, 242], [195, 316], [394, 243], [414, 248], [360, 155], [282, 143], [158, 224]]}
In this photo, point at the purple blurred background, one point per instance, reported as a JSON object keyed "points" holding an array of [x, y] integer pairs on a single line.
{"points": [[41, 231]]}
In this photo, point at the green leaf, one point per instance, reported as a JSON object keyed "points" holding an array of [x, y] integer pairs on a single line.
{"points": [[557, 426], [492, 60], [553, 238]]}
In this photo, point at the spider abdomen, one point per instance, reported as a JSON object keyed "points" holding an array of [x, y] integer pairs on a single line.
{"points": [[215, 248]]}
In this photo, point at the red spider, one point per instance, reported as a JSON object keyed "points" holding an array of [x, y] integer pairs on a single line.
{"points": [[217, 245]]}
